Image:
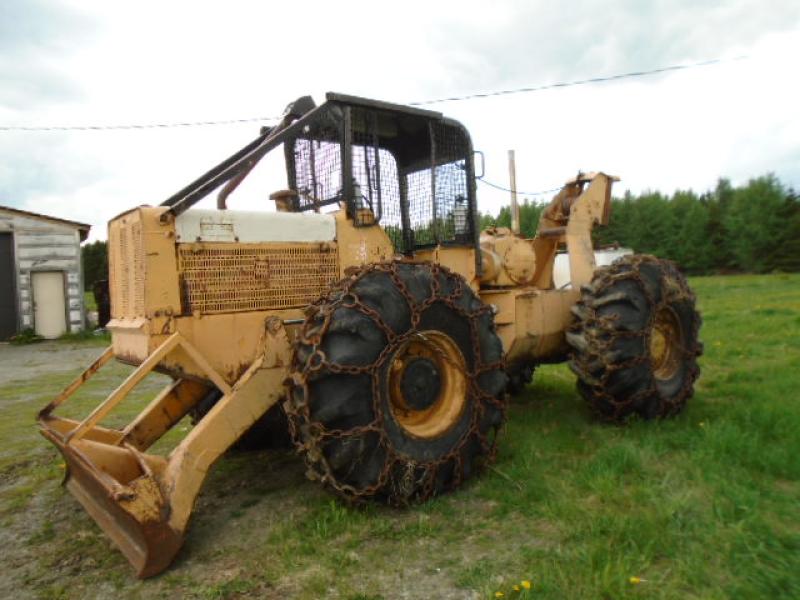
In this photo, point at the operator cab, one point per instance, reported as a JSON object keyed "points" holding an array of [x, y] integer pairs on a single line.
{"points": [[406, 169]]}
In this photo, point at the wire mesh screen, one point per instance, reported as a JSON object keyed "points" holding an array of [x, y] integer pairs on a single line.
{"points": [[318, 172], [316, 165], [438, 196], [405, 171], [376, 187]]}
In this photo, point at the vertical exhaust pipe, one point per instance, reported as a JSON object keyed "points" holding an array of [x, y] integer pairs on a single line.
{"points": [[512, 175]]}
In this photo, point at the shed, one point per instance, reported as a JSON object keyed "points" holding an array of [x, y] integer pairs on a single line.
{"points": [[41, 279]]}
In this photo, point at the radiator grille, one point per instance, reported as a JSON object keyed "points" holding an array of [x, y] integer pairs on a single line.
{"points": [[126, 267], [219, 278]]}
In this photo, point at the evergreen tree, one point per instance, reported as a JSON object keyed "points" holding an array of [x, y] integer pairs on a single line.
{"points": [[718, 202], [94, 259], [787, 255], [755, 227], [755, 218]]}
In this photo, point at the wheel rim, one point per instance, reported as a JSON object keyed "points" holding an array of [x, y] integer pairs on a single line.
{"points": [[665, 344], [427, 384]]}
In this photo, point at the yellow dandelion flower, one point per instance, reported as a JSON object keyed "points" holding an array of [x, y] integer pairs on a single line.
{"points": [[634, 580], [516, 588], [499, 594], [526, 584]]}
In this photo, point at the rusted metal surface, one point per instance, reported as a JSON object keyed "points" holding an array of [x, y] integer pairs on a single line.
{"points": [[134, 518], [517, 280], [509, 260], [220, 278], [119, 394], [143, 501], [166, 409]]}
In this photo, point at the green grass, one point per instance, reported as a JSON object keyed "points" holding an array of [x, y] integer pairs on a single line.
{"points": [[706, 505], [87, 336]]}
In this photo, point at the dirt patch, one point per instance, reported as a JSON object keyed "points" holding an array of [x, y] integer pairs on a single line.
{"points": [[26, 363]]}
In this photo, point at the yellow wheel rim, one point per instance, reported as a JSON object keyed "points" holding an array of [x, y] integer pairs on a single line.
{"points": [[428, 384], [665, 344]]}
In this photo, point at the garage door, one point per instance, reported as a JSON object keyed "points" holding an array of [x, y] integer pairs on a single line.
{"points": [[8, 306]]}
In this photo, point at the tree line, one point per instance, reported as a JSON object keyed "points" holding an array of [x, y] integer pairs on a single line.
{"points": [[751, 228]]}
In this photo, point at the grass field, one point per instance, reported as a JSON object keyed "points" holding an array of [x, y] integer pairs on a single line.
{"points": [[703, 506]]}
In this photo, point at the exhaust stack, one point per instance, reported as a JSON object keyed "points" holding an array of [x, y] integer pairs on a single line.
{"points": [[512, 175]]}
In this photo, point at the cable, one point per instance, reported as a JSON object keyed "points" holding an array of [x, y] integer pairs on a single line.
{"points": [[135, 125], [564, 84], [522, 90], [505, 189]]}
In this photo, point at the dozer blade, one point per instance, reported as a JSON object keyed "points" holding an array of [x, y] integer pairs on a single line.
{"points": [[135, 516], [143, 501]]}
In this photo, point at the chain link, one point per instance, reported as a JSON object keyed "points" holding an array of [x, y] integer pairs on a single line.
{"points": [[402, 477], [673, 290]]}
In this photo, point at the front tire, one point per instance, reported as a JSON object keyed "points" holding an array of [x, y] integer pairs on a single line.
{"points": [[635, 340], [397, 385]]}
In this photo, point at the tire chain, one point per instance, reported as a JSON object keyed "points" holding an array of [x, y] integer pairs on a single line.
{"points": [[309, 436], [596, 327]]}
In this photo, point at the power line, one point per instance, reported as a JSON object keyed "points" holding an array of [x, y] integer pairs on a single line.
{"points": [[505, 189], [522, 90], [166, 125], [564, 84]]}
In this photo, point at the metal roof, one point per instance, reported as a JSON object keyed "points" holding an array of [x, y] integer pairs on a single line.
{"points": [[83, 227]]}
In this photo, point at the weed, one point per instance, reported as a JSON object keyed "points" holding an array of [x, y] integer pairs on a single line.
{"points": [[26, 336], [85, 335], [228, 589]]}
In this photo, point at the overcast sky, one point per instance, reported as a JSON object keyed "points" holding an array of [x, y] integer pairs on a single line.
{"points": [[100, 62]]}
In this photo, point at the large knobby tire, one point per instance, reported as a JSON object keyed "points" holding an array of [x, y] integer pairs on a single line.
{"points": [[397, 385], [635, 340]]}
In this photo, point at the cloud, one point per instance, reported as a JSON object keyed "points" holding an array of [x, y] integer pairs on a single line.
{"points": [[42, 164], [521, 42], [99, 62], [34, 36]]}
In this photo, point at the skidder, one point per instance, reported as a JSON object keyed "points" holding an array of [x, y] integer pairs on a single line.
{"points": [[366, 314]]}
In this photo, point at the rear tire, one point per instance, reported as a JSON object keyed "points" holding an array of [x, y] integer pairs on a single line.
{"points": [[397, 385], [634, 340]]}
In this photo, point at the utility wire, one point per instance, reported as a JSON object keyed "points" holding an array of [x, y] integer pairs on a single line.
{"points": [[505, 189], [522, 90], [135, 125], [564, 84]]}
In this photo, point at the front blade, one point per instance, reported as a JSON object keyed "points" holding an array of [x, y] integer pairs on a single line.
{"points": [[135, 516]]}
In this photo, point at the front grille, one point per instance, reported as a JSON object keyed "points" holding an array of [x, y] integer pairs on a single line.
{"points": [[126, 267], [217, 278]]}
